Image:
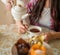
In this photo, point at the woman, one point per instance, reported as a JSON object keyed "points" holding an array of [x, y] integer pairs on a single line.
{"points": [[43, 13]]}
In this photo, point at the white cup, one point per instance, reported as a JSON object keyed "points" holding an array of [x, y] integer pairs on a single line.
{"points": [[34, 31]]}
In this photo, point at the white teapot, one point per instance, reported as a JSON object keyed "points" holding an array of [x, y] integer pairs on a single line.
{"points": [[18, 12]]}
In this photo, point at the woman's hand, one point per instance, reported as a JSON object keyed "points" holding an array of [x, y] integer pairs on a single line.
{"points": [[9, 4], [22, 28], [49, 36]]}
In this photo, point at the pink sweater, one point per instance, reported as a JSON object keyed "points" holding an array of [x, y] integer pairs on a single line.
{"points": [[29, 8]]}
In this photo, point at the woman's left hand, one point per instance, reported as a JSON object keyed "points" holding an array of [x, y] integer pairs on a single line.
{"points": [[49, 36], [9, 4]]}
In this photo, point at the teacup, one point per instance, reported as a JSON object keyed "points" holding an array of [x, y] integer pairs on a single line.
{"points": [[34, 31]]}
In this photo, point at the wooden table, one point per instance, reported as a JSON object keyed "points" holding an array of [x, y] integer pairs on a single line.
{"points": [[9, 36]]}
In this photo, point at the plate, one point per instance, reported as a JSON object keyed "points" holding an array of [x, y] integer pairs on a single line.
{"points": [[48, 47]]}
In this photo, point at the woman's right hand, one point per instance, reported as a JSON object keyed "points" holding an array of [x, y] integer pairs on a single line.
{"points": [[22, 28]]}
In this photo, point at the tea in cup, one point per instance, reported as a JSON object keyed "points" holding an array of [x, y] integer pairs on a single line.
{"points": [[34, 30]]}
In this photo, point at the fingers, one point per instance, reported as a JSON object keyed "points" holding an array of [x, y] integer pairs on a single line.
{"points": [[22, 28], [26, 26], [8, 6], [48, 36]]}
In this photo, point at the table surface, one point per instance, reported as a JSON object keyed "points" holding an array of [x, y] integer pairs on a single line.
{"points": [[9, 36]]}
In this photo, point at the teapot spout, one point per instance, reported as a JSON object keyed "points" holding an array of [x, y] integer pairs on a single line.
{"points": [[25, 16]]}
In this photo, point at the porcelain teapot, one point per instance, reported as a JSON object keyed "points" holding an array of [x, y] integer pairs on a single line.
{"points": [[19, 12]]}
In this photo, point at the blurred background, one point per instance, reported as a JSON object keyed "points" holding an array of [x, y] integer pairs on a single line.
{"points": [[5, 16]]}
